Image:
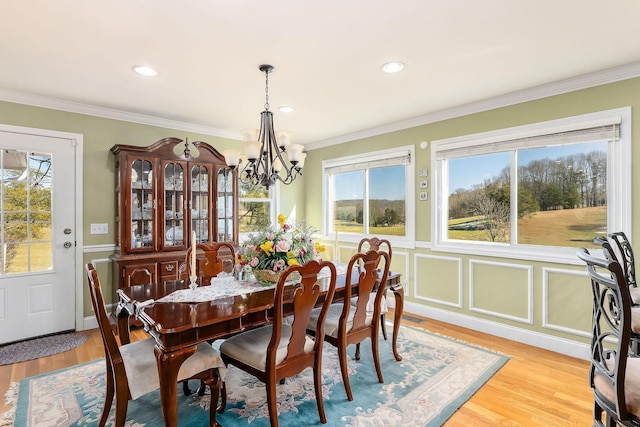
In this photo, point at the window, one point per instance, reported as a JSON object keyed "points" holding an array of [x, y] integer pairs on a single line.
{"points": [[536, 191], [370, 194], [256, 208]]}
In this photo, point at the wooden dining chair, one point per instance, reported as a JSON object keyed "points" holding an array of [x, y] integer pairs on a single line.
{"points": [[613, 376], [282, 349], [346, 324], [218, 257], [132, 368], [375, 243]]}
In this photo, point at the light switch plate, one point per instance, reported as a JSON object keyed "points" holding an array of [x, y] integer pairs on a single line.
{"points": [[99, 229], [424, 172]]}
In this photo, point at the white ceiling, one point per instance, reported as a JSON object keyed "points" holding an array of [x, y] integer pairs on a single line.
{"points": [[327, 56]]}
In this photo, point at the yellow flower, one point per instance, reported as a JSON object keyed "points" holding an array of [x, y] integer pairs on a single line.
{"points": [[320, 248], [293, 261], [281, 219], [267, 247]]}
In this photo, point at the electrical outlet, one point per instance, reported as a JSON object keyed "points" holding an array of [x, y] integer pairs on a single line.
{"points": [[99, 229], [424, 195]]}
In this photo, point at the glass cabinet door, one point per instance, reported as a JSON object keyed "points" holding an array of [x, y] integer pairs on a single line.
{"points": [[142, 204], [225, 205], [200, 202], [174, 205]]}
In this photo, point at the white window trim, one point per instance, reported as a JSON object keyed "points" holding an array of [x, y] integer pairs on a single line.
{"points": [[274, 207], [407, 241], [618, 185]]}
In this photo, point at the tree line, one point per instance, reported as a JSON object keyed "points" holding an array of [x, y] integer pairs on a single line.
{"points": [[574, 181]]}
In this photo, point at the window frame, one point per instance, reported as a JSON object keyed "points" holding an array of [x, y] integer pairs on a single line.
{"points": [[406, 241], [618, 184], [273, 199]]}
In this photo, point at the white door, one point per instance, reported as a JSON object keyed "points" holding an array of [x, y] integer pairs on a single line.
{"points": [[37, 235]]}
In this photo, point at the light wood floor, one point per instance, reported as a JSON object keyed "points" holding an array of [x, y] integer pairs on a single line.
{"points": [[535, 388]]}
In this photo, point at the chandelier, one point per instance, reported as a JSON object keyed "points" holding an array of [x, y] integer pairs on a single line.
{"points": [[269, 155]]}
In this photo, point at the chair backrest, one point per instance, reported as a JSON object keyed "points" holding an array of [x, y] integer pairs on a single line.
{"points": [[611, 331], [304, 299], [374, 243], [218, 257], [111, 349], [367, 266], [625, 252]]}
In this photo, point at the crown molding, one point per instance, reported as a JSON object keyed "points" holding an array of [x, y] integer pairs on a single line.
{"points": [[108, 113], [572, 84], [584, 81]]}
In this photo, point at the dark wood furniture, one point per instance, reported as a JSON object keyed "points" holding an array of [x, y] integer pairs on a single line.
{"points": [[613, 375], [213, 258], [347, 324], [375, 243], [177, 327], [163, 195], [128, 375], [282, 349]]}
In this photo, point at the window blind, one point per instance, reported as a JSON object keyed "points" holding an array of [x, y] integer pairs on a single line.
{"points": [[609, 132], [369, 164]]}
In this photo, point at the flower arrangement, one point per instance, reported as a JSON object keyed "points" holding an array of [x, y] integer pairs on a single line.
{"points": [[277, 248]]}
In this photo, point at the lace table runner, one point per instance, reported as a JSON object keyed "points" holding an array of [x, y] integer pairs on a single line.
{"points": [[222, 288]]}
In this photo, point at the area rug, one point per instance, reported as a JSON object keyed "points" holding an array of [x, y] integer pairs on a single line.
{"points": [[39, 347], [435, 377]]}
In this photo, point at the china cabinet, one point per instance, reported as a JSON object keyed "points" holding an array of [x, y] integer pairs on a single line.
{"points": [[165, 194]]}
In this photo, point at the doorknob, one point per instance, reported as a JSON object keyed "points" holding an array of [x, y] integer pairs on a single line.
{"points": [[67, 245]]}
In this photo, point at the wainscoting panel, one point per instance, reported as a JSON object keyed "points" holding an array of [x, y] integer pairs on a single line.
{"points": [[502, 290], [438, 279], [565, 294]]}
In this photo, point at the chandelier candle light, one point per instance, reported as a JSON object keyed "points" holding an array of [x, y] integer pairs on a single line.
{"points": [[270, 156]]}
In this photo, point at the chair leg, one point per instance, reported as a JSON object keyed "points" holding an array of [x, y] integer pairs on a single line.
{"points": [[317, 382], [214, 384], [108, 398], [122, 401], [357, 355], [185, 388], [376, 356], [272, 403], [342, 355], [223, 397], [383, 325]]}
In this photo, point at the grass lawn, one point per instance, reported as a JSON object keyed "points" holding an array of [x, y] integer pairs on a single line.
{"points": [[566, 227], [40, 256]]}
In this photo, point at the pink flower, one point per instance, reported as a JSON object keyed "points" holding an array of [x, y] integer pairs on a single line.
{"points": [[282, 246], [280, 264], [254, 261]]}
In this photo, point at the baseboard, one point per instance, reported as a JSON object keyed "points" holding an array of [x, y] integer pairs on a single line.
{"points": [[536, 339]]}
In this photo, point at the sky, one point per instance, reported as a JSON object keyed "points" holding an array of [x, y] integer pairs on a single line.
{"points": [[384, 183], [474, 170]]}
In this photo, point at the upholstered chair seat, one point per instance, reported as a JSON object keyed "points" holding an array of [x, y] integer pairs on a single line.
{"points": [[250, 347], [141, 365], [631, 385]]}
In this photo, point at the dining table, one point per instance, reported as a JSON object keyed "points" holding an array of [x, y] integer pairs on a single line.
{"points": [[179, 317]]}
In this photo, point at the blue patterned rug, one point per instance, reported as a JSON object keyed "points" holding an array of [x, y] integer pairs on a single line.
{"points": [[436, 376]]}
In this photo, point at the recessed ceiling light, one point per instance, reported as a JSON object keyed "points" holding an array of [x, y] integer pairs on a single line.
{"points": [[286, 109], [145, 71], [392, 67]]}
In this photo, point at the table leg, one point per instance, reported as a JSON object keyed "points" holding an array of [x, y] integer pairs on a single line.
{"points": [[122, 317], [398, 293], [168, 367]]}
